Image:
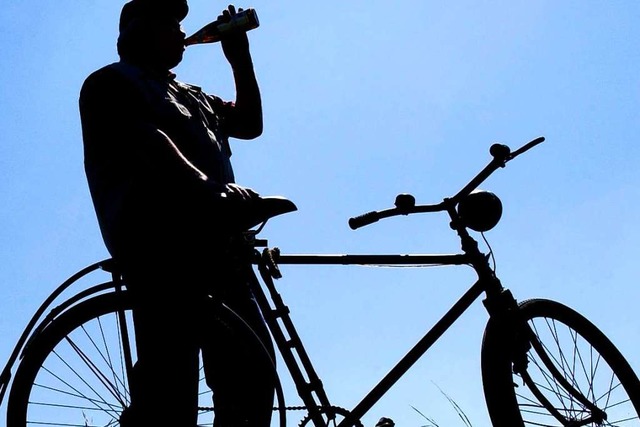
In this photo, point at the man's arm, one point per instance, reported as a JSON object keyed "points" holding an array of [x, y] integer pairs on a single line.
{"points": [[245, 118]]}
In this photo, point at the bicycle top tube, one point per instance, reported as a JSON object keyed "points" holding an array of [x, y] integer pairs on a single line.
{"points": [[416, 260], [405, 203]]}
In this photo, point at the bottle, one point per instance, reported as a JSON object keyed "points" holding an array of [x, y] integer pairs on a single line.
{"points": [[244, 20]]}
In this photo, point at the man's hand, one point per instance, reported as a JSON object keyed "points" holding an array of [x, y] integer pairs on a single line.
{"points": [[238, 192], [235, 46], [242, 208]]}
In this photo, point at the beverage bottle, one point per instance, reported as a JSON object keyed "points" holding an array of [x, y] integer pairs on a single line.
{"points": [[244, 20]]}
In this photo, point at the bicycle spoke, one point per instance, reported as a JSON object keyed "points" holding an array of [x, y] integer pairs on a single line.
{"points": [[578, 355], [102, 378], [106, 356], [118, 381], [88, 358], [31, 423], [78, 377], [78, 394], [109, 407], [550, 354], [612, 388], [561, 361], [574, 375], [570, 366], [553, 386]]}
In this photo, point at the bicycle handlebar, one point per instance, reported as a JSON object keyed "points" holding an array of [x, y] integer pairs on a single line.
{"points": [[405, 203]]}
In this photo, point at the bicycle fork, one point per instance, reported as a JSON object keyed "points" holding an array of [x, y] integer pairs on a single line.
{"points": [[519, 338]]}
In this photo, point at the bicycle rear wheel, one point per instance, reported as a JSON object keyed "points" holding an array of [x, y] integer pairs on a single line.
{"points": [[574, 375], [74, 372]]}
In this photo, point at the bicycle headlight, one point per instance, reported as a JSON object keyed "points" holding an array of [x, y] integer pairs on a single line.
{"points": [[480, 210]]}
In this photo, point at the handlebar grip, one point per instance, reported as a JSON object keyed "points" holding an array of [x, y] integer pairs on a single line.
{"points": [[364, 219], [527, 147]]}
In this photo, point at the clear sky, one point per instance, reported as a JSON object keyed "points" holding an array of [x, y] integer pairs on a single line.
{"points": [[364, 100]]}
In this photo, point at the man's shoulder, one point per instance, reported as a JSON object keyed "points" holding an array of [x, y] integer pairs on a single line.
{"points": [[104, 73], [114, 73], [113, 78]]}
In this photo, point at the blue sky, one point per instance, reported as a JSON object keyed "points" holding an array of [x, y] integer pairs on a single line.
{"points": [[364, 100]]}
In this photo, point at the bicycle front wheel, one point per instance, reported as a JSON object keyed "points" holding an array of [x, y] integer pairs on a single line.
{"points": [[574, 375]]}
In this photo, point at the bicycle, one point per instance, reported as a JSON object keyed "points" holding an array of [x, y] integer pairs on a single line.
{"points": [[543, 364]]}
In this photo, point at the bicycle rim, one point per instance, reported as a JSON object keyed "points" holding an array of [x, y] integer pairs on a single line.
{"points": [[572, 369], [74, 372]]}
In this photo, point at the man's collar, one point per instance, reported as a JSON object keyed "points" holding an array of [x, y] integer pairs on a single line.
{"points": [[162, 75], [153, 73]]}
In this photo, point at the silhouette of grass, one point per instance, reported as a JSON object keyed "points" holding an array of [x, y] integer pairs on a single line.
{"points": [[432, 423]]}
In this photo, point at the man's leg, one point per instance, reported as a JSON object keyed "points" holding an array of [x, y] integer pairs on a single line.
{"points": [[165, 379], [239, 366]]}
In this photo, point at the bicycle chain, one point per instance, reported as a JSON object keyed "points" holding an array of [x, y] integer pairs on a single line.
{"points": [[305, 420], [287, 408], [337, 410]]}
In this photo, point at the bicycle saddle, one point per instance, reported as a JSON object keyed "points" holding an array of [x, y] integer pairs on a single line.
{"points": [[267, 207]]}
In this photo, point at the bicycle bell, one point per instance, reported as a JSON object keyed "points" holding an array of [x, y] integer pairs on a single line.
{"points": [[480, 210]]}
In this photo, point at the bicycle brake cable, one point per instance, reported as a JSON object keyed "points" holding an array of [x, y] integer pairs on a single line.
{"points": [[493, 258]]}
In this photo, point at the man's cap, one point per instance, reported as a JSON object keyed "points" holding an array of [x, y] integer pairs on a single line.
{"points": [[135, 9]]}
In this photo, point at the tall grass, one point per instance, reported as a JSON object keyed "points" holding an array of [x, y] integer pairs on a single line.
{"points": [[432, 423]]}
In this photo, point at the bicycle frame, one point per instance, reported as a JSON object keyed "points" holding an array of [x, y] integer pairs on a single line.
{"points": [[309, 386], [499, 301]]}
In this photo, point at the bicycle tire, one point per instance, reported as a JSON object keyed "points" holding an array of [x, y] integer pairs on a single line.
{"points": [[73, 373], [539, 396]]}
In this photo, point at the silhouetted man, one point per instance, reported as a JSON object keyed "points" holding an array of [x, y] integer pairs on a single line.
{"points": [[157, 160]]}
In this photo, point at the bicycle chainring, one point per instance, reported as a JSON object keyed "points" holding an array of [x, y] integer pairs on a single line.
{"points": [[336, 410]]}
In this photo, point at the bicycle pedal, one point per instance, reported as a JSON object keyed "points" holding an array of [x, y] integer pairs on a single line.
{"points": [[385, 422]]}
